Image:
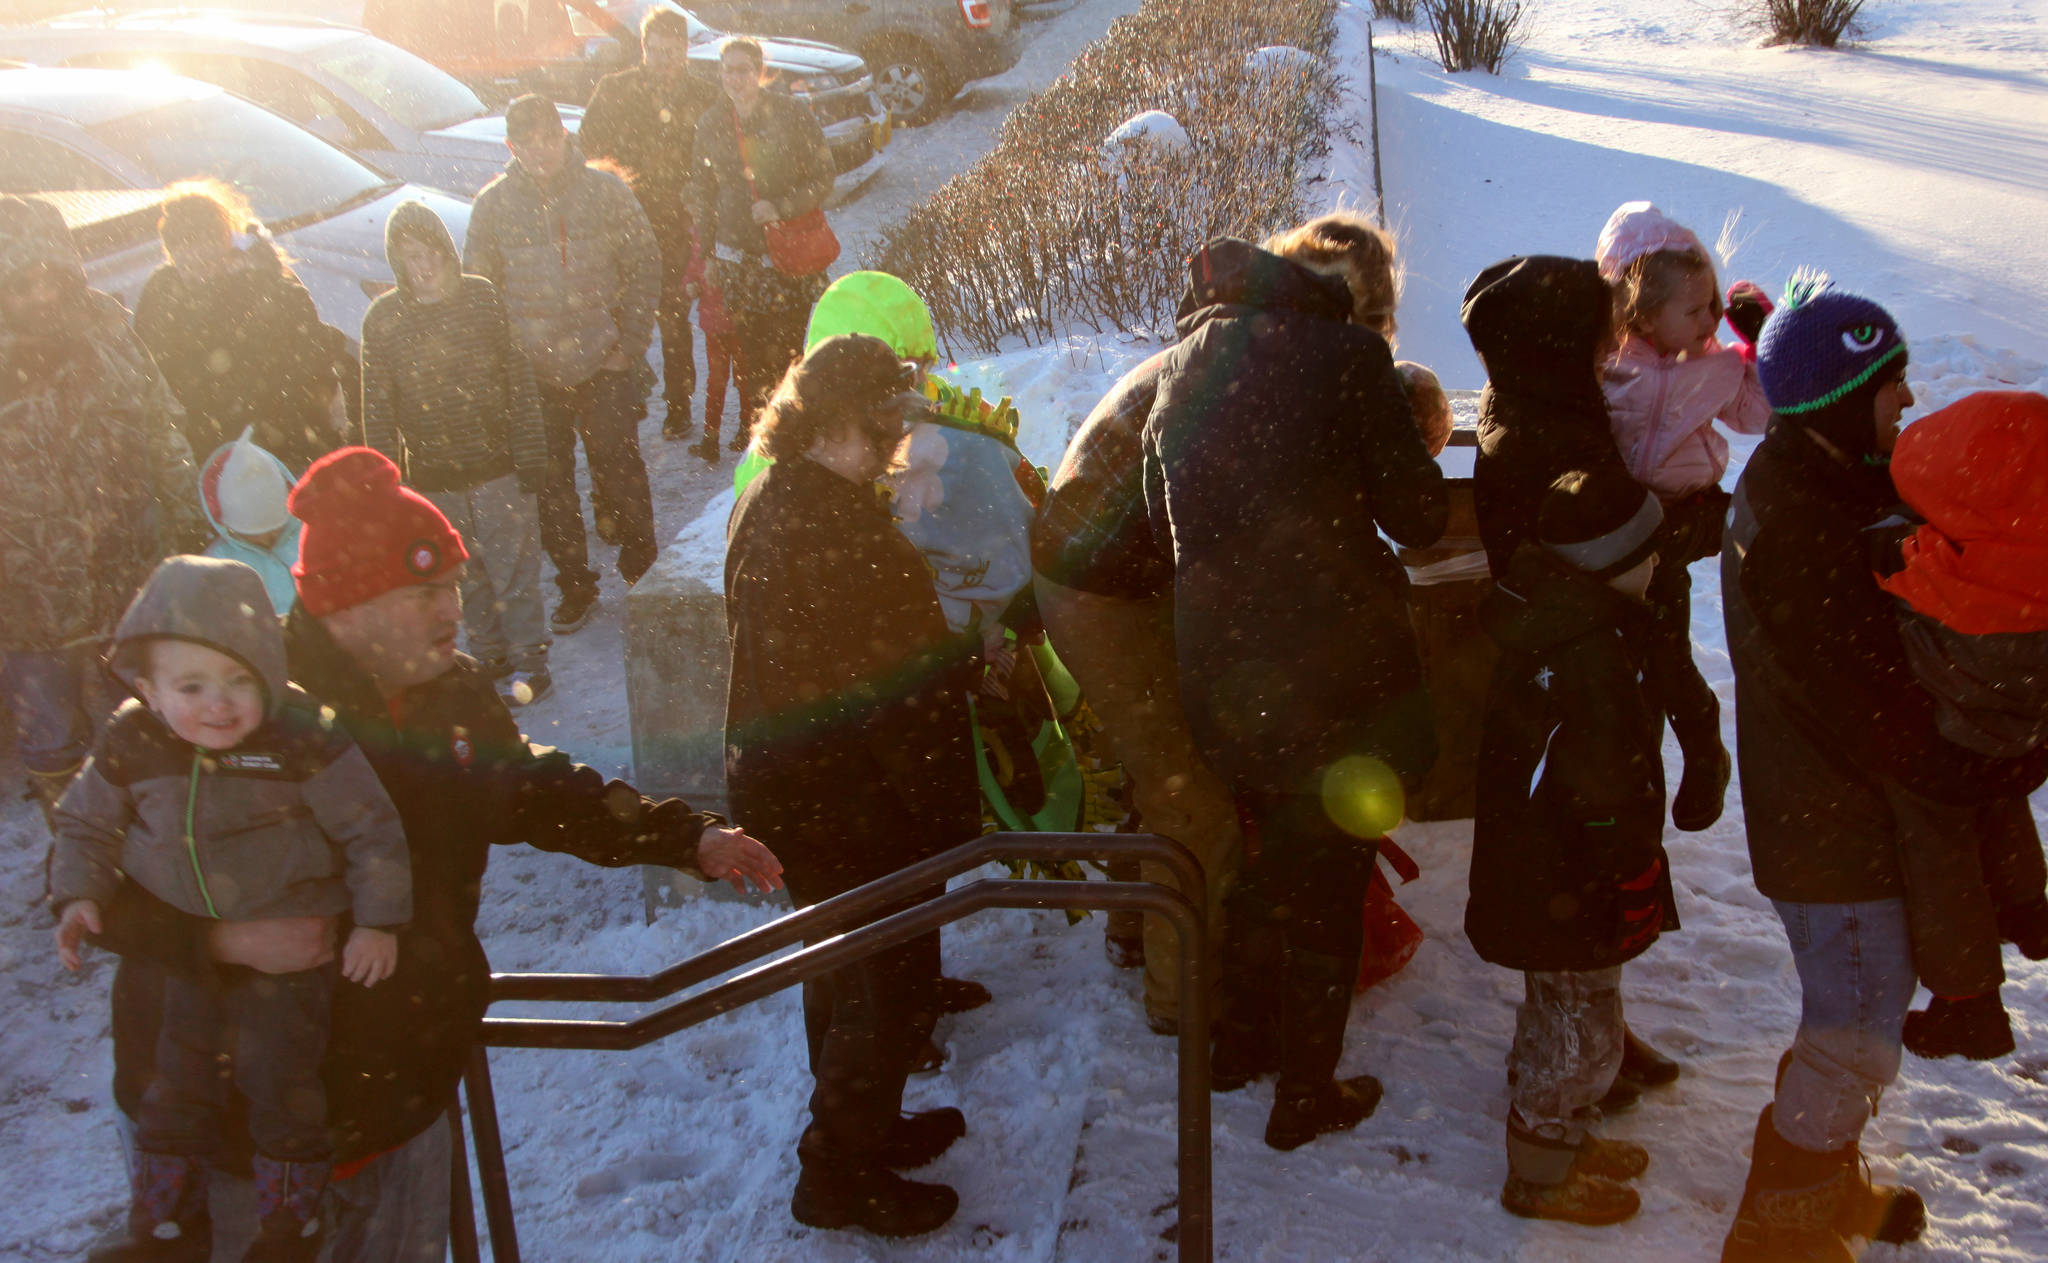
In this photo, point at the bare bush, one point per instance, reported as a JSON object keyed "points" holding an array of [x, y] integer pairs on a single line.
{"points": [[1394, 10], [1047, 230], [1819, 22], [1477, 34]]}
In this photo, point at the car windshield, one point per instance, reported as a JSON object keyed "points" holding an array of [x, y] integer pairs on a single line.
{"points": [[629, 13], [412, 90], [285, 173]]}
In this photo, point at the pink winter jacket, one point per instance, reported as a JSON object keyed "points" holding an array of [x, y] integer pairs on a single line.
{"points": [[1663, 410]]}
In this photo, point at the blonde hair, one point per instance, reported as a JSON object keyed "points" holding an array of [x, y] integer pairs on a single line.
{"points": [[1652, 280], [1429, 403], [196, 210], [1348, 245]]}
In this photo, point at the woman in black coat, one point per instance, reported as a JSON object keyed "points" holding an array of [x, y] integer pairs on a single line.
{"points": [[236, 336], [847, 752], [1279, 446]]}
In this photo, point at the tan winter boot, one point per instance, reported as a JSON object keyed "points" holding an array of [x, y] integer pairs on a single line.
{"points": [[1559, 1179]]}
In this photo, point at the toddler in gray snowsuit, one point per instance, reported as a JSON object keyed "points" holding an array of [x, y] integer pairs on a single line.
{"points": [[231, 795]]}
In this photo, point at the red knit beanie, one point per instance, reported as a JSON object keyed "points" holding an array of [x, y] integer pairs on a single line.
{"points": [[363, 534]]}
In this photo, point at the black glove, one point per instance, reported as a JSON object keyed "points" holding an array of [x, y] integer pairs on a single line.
{"points": [[1974, 1026], [2026, 927], [1748, 308]]}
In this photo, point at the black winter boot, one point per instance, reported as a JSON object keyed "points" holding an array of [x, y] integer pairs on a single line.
{"points": [[1975, 1026], [918, 1139], [168, 1219], [1309, 1100], [847, 1195], [1790, 1203], [1254, 950], [1643, 1065], [289, 1224]]}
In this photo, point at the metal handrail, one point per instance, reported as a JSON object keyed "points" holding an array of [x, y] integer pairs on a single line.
{"points": [[848, 935], [832, 915]]}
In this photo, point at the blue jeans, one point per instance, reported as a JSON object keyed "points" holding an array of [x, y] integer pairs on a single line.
{"points": [[1856, 981], [45, 688]]}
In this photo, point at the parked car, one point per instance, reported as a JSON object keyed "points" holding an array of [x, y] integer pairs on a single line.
{"points": [[102, 144], [396, 111], [921, 51], [832, 81]]}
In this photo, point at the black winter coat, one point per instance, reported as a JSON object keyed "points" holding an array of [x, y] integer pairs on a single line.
{"points": [[1278, 447], [847, 733], [1536, 323], [1568, 863], [244, 348], [463, 779], [632, 122], [1827, 708]]}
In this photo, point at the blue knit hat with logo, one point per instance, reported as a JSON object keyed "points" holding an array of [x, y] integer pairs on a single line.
{"points": [[1822, 344]]}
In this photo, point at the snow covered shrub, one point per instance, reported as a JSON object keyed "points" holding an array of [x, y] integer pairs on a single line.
{"points": [[1478, 34], [1820, 22], [1088, 205], [1394, 10]]}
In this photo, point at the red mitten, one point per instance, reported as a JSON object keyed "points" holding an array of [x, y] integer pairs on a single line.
{"points": [[1748, 308]]}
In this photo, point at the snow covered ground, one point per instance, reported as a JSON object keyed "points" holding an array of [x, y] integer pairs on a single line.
{"points": [[1914, 167]]}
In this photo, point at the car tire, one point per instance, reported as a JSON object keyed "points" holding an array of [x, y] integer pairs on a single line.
{"points": [[910, 80]]}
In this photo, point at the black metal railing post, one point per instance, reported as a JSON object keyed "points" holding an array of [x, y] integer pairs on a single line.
{"points": [[490, 1158], [841, 931]]}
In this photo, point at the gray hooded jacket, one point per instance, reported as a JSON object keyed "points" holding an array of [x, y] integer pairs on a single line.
{"points": [[576, 261], [290, 822]]}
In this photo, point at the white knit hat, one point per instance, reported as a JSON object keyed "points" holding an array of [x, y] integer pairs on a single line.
{"points": [[252, 489]]}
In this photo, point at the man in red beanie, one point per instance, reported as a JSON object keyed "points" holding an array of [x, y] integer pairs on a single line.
{"points": [[373, 636]]}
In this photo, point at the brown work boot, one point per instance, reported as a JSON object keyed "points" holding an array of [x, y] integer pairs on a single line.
{"points": [[1611, 1159], [1579, 1198]]}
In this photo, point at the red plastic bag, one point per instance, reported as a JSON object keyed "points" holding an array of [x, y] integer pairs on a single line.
{"points": [[1391, 935]]}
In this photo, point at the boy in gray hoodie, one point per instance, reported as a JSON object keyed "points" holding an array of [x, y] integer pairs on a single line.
{"points": [[232, 795], [449, 396]]}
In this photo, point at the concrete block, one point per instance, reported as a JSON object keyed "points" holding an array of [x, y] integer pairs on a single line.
{"points": [[676, 666]]}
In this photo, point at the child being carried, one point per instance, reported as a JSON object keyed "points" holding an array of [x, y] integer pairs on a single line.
{"points": [[231, 795]]}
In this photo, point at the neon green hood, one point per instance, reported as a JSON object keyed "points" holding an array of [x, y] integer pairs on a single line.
{"points": [[879, 305]]}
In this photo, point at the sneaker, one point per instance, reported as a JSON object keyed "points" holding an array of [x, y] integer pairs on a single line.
{"points": [[1579, 1198], [706, 448], [572, 612], [635, 562], [739, 442], [524, 688]]}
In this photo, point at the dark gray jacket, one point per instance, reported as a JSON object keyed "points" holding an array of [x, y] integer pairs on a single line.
{"points": [[290, 822]]}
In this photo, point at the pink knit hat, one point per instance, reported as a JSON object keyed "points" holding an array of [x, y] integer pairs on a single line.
{"points": [[1636, 229]]}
